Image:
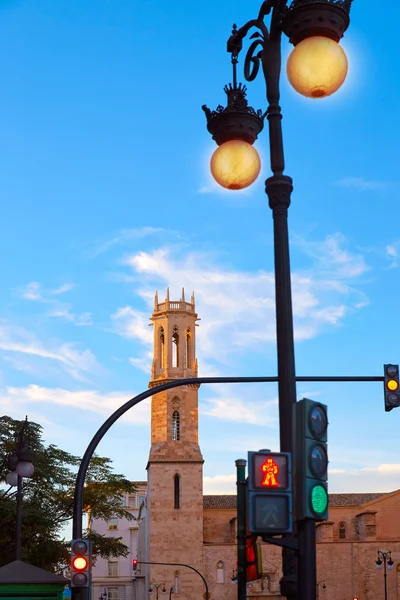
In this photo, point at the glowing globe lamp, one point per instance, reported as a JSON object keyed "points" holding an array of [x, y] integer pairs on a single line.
{"points": [[317, 67], [80, 563], [235, 164]]}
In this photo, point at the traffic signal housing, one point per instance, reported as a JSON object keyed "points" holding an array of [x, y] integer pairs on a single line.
{"points": [[391, 386], [269, 492], [134, 564], [80, 563], [311, 460], [253, 559]]}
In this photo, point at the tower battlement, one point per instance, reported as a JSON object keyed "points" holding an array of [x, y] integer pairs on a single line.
{"points": [[174, 305]]}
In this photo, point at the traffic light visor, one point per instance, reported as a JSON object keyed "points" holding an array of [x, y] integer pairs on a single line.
{"points": [[79, 563], [318, 421]]}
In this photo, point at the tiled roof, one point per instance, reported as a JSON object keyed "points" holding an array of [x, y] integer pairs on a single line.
{"points": [[225, 501]]}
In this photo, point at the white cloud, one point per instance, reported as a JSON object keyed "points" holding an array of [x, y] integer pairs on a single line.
{"points": [[393, 253], [125, 235], [74, 361], [237, 308], [63, 311], [227, 405], [103, 404], [362, 184], [66, 287], [32, 291]]}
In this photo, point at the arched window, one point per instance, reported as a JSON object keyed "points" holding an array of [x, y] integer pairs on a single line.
{"points": [[177, 491], [188, 354], [220, 572], [342, 531], [176, 426], [175, 348], [162, 348], [177, 583]]}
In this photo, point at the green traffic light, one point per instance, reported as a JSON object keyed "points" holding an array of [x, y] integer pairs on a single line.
{"points": [[319, 499]]}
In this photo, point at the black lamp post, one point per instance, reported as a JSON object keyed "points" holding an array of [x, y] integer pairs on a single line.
{"points": [[157, 586], [384, 558], [104, 595], [310, 25], [20, 464]]}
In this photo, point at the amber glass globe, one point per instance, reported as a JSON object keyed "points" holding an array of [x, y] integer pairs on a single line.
{"points": [[317, 67], [235, 165]]}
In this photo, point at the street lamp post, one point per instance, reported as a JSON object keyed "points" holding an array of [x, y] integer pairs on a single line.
{"points": [[21, 465], [315, 28], [384, 558], [157, 586]]}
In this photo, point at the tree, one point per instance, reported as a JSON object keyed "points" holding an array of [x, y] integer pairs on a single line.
{"points": [[48, 501]]}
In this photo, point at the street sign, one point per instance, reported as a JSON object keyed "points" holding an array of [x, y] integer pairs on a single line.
{"points": [[270, 493]]}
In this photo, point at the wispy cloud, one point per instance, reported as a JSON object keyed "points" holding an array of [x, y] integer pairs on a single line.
{"points": [[36, 293], [393, 254], [125, 235], [226, 404], [359, 183], [89, 400], [76, 362]]}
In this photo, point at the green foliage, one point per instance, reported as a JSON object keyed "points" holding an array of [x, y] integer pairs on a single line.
{"points": [[48, 501]]}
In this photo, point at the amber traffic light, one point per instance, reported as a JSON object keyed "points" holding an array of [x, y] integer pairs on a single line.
{"points": [[391, 387]]}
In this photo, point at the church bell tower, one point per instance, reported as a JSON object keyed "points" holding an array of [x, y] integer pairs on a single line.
{"points": [[175, 467]]}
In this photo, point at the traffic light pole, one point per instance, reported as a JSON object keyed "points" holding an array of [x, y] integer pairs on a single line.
{"points": [[241, 527], [307, 555]]}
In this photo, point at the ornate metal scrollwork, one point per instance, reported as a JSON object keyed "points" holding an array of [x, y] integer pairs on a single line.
{"points": [[252, 60]]}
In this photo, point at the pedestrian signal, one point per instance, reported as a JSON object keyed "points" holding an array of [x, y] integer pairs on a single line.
{"points": [[269, 492]]}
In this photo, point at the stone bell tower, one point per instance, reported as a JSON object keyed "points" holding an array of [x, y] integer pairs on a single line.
{"points": [[175, 467]]}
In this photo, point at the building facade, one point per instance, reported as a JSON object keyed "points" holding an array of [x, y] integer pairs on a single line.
{"points": [[181, 526], [113, 579]]}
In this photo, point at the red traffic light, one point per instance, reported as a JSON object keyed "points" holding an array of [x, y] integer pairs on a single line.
{"points": [[134, 564], [79, 563], [269, 471]]}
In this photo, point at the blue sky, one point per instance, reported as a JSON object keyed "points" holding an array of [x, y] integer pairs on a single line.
{"points": [[106, 197]]}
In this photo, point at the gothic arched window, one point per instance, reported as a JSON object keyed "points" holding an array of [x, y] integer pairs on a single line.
{"points": [[175, 348], [188, 353], [220, 572], [342, 531], [162, 348], [176, 426], [177, 491]]}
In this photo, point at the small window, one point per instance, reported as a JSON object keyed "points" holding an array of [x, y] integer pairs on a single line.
{"points": [[177, 485], [112, 568], [176, 426], [141, 500], [342, 531], [131, 501], [175, 348], [177, 583], [112, 593], [220, 572], [112, 524]]}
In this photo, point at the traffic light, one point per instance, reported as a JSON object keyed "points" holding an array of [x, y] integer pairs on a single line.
{"points": [[311, 460], [80, 563], [134, 564], [270, 492], [253, 559], [391, 385]]}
